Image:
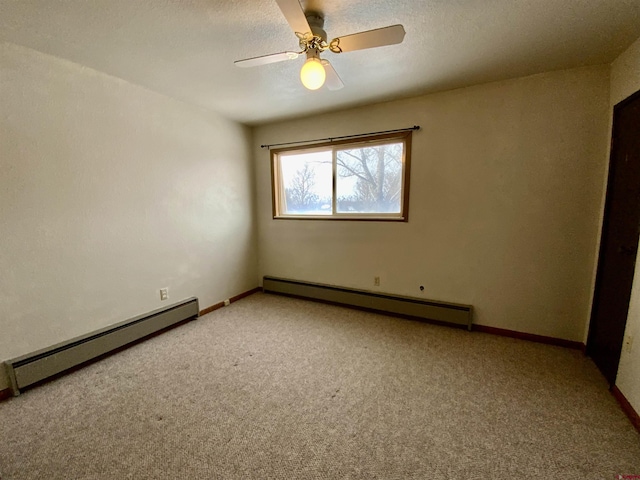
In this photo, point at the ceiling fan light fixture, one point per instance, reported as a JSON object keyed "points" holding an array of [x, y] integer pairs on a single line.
{"points": [[313, 74], [309, 30]]}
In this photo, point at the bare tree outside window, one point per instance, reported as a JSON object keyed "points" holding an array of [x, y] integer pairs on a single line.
{"points": [[366, 179], [300, 194], [307, 183], [370, 179]]}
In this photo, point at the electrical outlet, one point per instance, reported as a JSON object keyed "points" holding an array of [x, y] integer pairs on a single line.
{"points": [[227, 302], [628, 343], [164, 293], [376, 281]]}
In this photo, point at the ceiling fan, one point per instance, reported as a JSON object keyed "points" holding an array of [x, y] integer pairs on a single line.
{"points": [[308, 27]]}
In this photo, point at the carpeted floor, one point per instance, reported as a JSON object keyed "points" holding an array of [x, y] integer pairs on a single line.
{"points": [[273, 387]]}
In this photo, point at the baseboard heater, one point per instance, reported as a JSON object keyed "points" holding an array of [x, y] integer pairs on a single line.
{"points": [[441, 312], [35, 367]]}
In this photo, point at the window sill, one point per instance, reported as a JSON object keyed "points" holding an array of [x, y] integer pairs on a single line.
{"points": [[357, 218]]}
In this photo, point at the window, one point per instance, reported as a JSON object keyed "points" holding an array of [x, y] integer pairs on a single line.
{"points": [[363, 179]]}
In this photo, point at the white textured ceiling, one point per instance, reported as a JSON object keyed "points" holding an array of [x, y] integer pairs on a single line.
{"points": [[185, 48]]}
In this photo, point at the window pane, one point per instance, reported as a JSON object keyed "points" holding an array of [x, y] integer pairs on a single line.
{"points": [[370, 179], [307, 183]]}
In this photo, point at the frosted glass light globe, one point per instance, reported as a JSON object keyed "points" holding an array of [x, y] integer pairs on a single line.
{"points": [[313, 74]]}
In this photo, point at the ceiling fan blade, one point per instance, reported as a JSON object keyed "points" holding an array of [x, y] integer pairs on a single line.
{"points": [[333, 80], [369, 39], [293, 12], [265, 59]]}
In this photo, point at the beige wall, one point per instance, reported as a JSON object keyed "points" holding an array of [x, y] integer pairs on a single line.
{"points": [[506, 187], [625, 80], [109, 192], [625, 74]]}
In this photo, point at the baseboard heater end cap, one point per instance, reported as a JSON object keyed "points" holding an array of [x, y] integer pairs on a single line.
{"points": [[10, 374]]}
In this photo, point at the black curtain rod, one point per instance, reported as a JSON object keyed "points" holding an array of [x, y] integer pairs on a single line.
{"points": [[331, 139]]}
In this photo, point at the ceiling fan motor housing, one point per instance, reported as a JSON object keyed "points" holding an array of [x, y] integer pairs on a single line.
{"points": [[316, 22]]}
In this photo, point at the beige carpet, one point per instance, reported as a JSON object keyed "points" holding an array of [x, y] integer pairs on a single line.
{"points": [[273, 387]]}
